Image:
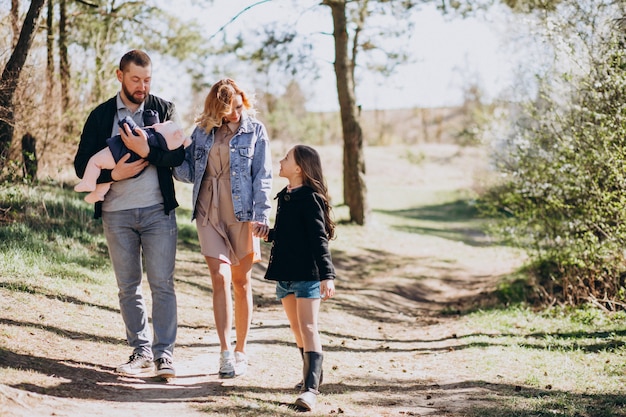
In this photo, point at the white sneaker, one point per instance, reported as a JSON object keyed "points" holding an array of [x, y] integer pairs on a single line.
{"points": [[137, 364], [165, 368], [227, 364], [306, 401], [241, 363]]}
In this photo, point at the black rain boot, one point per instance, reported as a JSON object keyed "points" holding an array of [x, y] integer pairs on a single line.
{"points": [[312, 376], [300, 385]]}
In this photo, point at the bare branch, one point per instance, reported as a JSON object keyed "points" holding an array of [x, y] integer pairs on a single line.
{"points": [[86, 3], [236, 17]]}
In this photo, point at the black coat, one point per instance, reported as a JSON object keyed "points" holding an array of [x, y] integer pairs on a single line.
{"points": [[299, 241]]}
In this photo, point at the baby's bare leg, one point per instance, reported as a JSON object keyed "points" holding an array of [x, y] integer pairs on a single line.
{"points": [[99, 193], [101, 160]]}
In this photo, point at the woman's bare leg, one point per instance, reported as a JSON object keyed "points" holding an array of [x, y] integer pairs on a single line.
{"points": [[222, 300], [242, 289]]}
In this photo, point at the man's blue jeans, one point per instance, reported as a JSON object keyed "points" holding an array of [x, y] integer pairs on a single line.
{"points": [[129, 233]]}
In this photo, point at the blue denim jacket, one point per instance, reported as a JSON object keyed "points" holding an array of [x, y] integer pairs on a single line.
{"points": [[250, 166]]}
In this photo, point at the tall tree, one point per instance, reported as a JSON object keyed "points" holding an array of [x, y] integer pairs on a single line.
{"points": [[64, 62], [352, 35], [49, 52], [355, 37], [354, 186], [102, 27], [15, 18], [11, 75]]}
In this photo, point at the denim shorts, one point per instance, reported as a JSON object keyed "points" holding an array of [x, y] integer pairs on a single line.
{"points": [[301, 289]]}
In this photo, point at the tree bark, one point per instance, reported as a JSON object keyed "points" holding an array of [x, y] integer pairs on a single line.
{"points": [[354, 187], [15, 14], [29, 157], [50, 53], [64, 62], [11, 75]]}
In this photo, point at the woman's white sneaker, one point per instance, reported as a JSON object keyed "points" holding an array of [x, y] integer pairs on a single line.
{"points": [[241, 363], [227, 364]]}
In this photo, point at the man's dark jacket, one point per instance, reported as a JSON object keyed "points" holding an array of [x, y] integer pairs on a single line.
{"points": [[97, 130]]}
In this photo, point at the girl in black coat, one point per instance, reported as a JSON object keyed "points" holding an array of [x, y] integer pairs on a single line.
{"points": [[300, 260]]}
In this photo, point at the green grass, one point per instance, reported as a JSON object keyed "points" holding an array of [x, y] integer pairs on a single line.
{"points": [[564, 362], [455, 218], [49, 233]]}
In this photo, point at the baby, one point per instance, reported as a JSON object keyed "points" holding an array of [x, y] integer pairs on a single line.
{"points": [[167, 135]]}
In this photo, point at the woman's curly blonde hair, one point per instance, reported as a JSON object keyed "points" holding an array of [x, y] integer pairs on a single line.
{"points": [[219, 101]]}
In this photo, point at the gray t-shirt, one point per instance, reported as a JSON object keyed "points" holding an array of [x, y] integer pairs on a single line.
{"points": [[138, 192]]}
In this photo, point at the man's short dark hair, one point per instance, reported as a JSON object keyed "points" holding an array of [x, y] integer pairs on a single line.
{"points": [[137, 57]]}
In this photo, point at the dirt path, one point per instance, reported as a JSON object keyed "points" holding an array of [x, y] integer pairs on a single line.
{"points": [[389, 350]]}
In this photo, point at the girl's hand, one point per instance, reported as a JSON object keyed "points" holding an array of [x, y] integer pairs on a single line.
{"points": [[327, 289], [260, 230]]}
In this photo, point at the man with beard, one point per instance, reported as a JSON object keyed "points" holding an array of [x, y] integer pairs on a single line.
{"points": [[138, 215]]}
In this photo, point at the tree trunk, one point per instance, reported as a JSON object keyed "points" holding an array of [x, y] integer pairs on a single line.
{"points": [[354, 187], [15, 15], [11, 75], [64, 62], [29, 156], [49, 53]]}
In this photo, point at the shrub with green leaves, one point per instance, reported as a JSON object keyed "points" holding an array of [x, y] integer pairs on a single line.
{"points": [[563, 194]]}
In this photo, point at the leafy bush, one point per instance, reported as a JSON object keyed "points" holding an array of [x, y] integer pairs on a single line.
{"points": [[563, 191]]}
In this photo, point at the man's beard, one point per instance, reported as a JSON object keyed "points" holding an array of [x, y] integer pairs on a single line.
{"points": [[131, 98]]}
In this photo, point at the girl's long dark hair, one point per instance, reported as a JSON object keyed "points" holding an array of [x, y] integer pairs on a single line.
{"points": [[310, 163]]}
